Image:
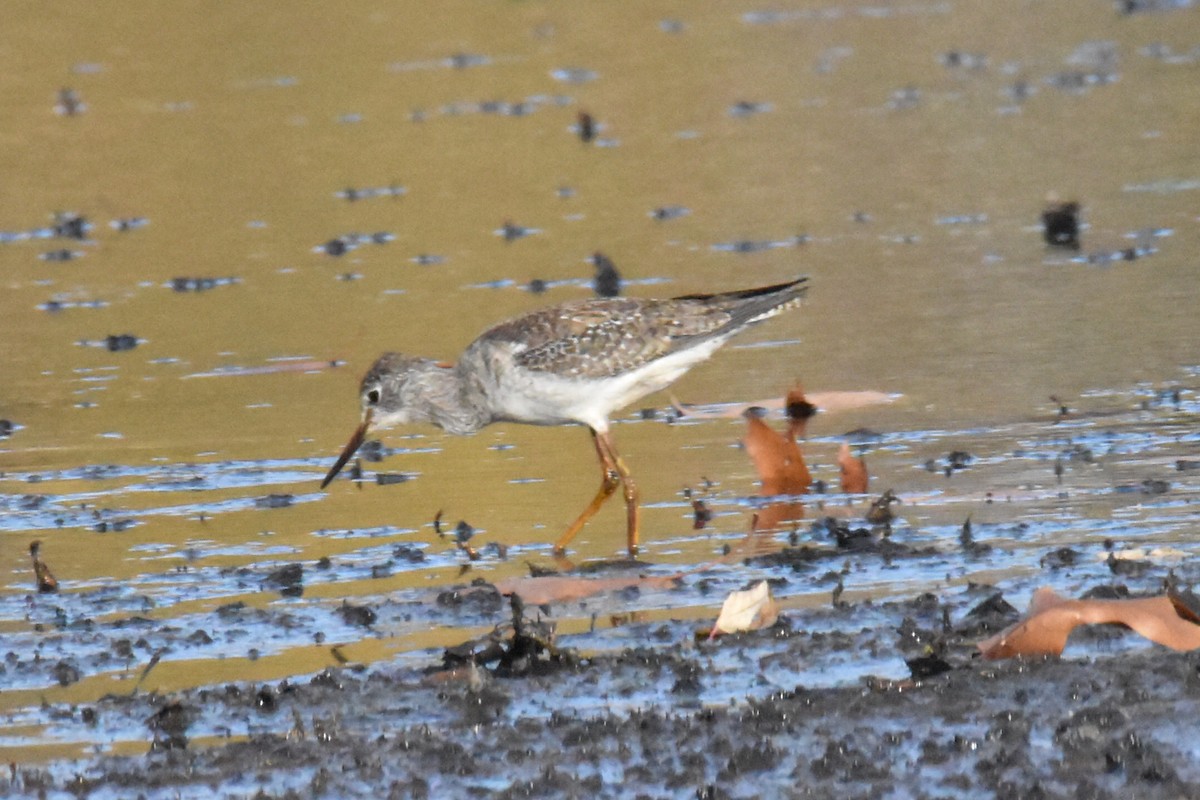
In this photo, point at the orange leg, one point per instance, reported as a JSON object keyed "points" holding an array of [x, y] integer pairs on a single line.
{"points": [[632, 509], [614, 473]]}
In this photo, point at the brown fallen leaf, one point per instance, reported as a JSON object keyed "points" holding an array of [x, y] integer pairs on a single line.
{"points": [[541, 590], [748, 610], [1051, 619], [776, 456], [854, 471]]}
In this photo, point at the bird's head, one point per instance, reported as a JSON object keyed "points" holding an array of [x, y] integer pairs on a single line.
{"points": [[388, 395]]}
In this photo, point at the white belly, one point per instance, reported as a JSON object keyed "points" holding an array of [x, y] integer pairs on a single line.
{"points": [[551, 400]]}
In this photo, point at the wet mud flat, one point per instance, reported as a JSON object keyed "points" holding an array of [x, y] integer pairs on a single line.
{"points": [[517, 714], [603, 680], [1109, 727]]}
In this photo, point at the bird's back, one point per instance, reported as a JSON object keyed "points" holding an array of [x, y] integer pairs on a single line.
{"points": [[579, 361], [603, 337]]}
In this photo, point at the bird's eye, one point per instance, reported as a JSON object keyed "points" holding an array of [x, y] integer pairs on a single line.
{"points": [[373, 397]]}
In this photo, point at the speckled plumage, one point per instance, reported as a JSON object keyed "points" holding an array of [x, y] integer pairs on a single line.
{"points": [[600, 338], [576, 362]]}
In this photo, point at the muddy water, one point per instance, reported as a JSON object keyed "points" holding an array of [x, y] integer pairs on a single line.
{"points": [[898, 154]]}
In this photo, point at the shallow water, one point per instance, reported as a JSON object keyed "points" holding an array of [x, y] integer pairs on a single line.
{"points": [[898, 154]]}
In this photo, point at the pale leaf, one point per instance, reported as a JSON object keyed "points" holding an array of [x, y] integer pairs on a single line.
{"points": [[747, 610]]}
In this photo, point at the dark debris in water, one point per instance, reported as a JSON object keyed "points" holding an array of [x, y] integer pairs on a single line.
{"points": [[748, 108], [288, 580], [274, 501], [1061, 558], [360, 615], [954, 461], [43, 578], [69, 103], [56, 305], [62, 254], [511, 231], [1106, 257], [1129, 7], [666, 213], [65, 225], [169, 726], [352, 194], [586, 127], [479, 597], [1060, 225], [525, 646], [606, 282], [117, 342], [758, 245], [123, 224], [340, 245], [184, 285], [113, 525]]}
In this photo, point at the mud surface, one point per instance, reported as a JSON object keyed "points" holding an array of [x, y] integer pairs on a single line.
{"points": [[598, 678], [644, 721]]}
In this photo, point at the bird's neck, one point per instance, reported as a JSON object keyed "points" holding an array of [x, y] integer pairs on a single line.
{"points": [[442, 399]]}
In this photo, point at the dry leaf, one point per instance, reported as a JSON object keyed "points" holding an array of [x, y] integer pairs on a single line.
{"points": [[854, 471], [537, 591], [1051, 619], [777, 458], [1141, 554], [747, 610]]}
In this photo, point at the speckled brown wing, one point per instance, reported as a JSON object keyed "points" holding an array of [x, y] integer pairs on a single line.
{"points": [[603, 337], [600, 338]]}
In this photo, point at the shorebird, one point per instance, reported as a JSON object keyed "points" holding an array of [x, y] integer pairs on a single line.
{"points": [[574, 363]]}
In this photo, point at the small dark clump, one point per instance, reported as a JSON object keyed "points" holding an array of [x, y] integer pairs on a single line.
{"points": [[46, 582], [1060, 225], [586, 126], [288, 579], [169, 725], [1062, 557], [363, 616], [69, 225], [69, 103], [62, 254], [116, 343], [274, 501], [607, 281], [335, 247]]}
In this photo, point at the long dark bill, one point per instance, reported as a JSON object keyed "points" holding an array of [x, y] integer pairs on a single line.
{"points": [[348, 452]]}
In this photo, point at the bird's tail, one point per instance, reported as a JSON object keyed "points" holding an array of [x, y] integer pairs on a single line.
{"points": [[748, 306]]}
